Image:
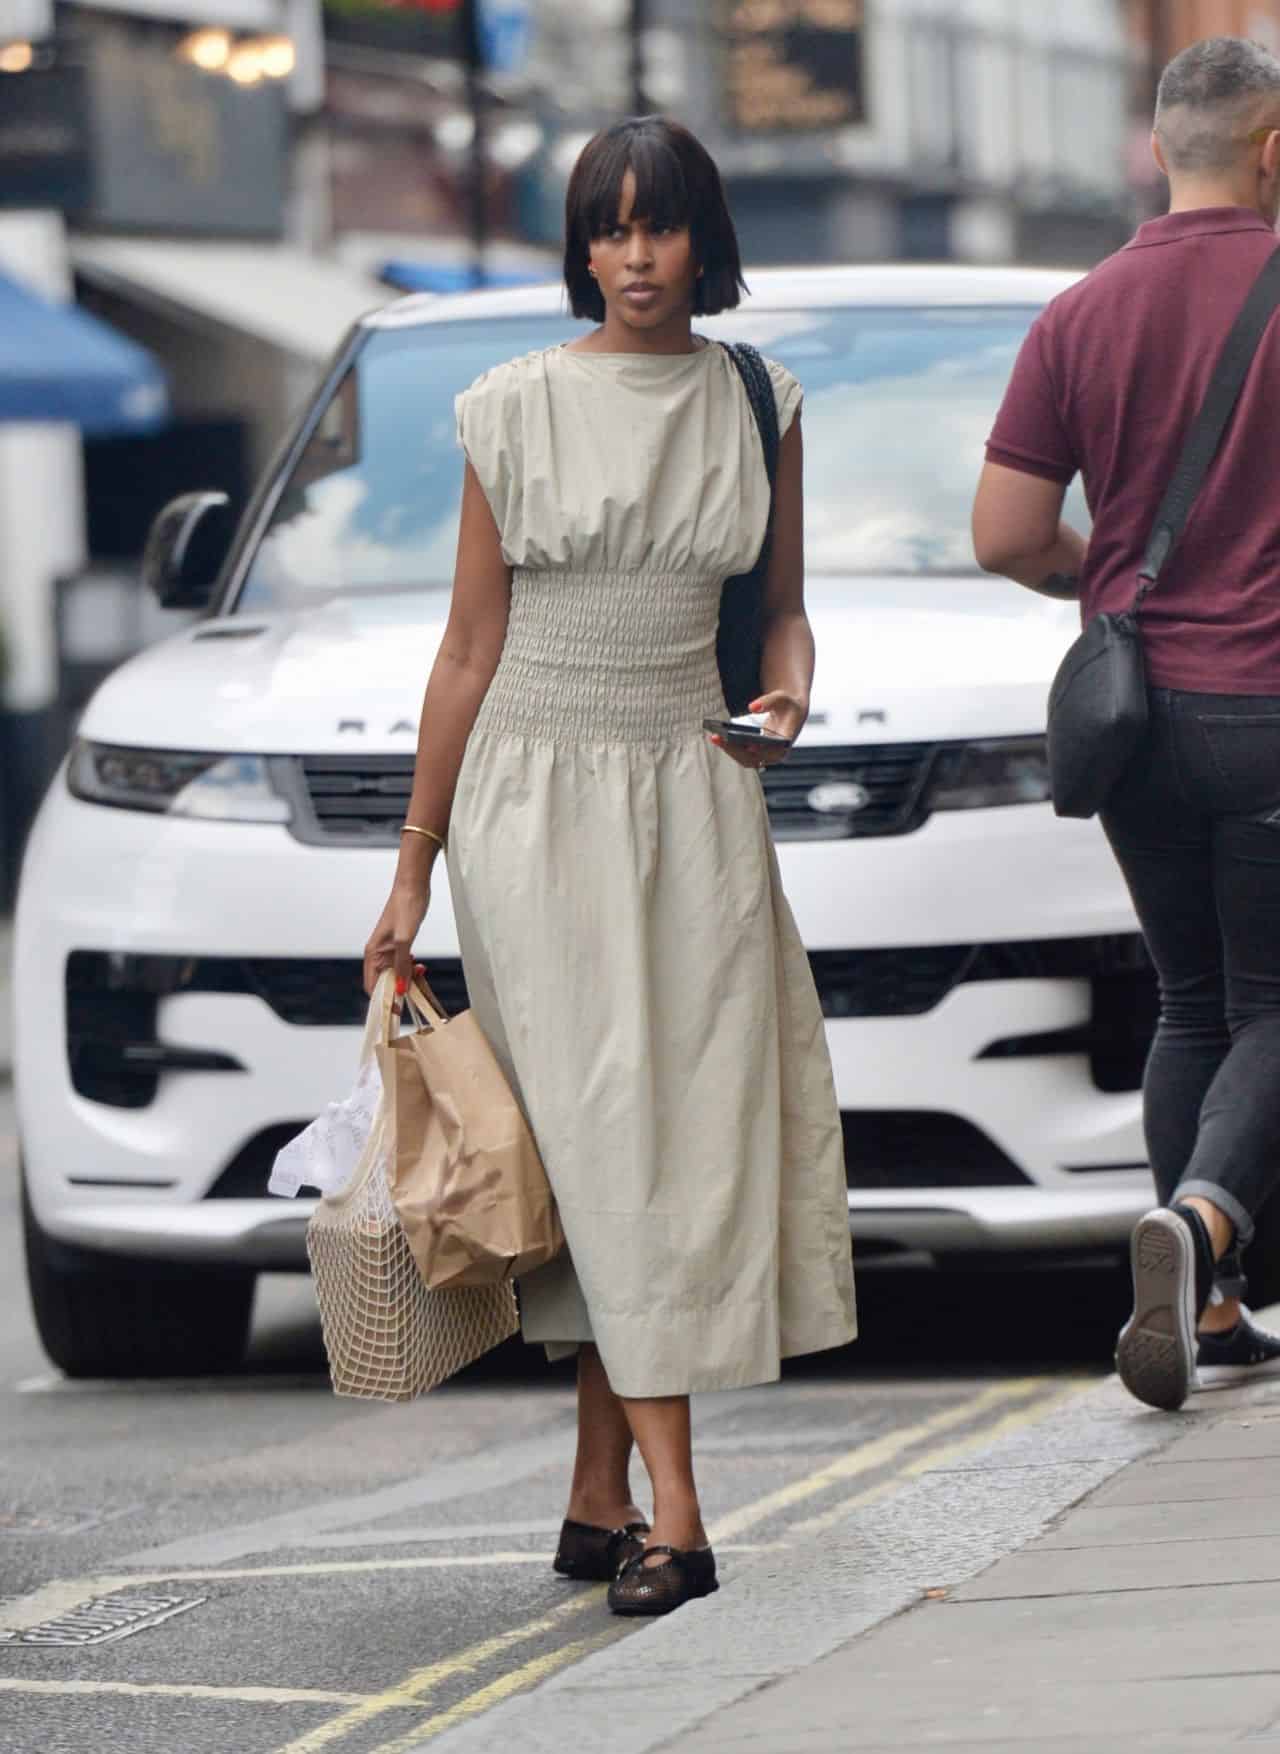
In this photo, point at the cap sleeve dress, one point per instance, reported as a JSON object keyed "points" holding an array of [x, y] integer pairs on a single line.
{"points": [[628, 949]]}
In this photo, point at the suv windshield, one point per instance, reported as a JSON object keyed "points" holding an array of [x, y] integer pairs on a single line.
{"points": [[898, 405]]}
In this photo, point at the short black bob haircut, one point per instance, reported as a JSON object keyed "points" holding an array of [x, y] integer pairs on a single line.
{"points": [[677, 184]]}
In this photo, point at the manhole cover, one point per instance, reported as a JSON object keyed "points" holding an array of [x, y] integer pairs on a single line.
{"points": [[102, 1621]]}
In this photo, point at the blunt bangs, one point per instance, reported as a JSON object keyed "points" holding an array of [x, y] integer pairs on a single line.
{"points": [[677, 184], [662, 193]]}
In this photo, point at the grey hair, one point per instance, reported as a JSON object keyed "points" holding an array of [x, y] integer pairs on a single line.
{"points": [[1208, 97]]}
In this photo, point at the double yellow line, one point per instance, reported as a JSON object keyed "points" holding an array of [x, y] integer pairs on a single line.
{"points": [[1026, 1400]]}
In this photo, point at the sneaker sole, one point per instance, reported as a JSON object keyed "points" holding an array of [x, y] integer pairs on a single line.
{"points": [[1155, 1354]]}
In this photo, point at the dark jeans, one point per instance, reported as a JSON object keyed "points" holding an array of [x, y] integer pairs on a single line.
{"points": [[1195, 824]]}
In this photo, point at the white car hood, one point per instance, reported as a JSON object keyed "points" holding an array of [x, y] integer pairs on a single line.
{"points": [[899, 659]]}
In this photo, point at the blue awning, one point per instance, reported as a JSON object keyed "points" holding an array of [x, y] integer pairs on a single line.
{"points": [[59, 363], [448, 277]]}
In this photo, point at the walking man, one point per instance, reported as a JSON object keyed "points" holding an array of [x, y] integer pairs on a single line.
{"points": [[1107, 384]]}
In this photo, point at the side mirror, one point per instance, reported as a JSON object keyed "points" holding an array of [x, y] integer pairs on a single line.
{"points": [[185, 549]]}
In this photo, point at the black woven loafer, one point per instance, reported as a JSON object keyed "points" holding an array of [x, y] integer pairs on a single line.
{"points": [[597, 1555], [657, 1589], [1245, 1351]]}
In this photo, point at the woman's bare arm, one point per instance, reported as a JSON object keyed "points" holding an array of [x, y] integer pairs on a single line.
{"points": [[459, 681], [786, 664]]}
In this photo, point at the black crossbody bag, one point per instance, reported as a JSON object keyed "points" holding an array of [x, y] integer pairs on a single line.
{"points": [[1098, 701], [740, 636]]}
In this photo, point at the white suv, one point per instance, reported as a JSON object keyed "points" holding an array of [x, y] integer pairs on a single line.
{"points": [[206, 867]]}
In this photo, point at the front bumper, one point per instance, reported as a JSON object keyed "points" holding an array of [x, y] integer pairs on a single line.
{"points": [[268, 1234], [271, 1234], [137, 1180]]}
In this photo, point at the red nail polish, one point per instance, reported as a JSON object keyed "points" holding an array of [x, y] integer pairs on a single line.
{"points": [[402, 986]]}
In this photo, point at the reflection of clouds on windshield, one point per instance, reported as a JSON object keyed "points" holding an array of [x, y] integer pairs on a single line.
{"points": [[766, 328], [330, 544], [891, 465], [899, 405], [993, 363], [889, 482]]}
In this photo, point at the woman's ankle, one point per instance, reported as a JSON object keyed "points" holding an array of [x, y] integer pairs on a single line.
{"points": [[603, 1509], [678, 1524]]}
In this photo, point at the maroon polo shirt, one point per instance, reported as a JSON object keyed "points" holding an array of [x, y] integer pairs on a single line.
{"points": [[1107, 383]]}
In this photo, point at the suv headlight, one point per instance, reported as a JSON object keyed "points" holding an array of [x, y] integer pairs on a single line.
{"points": [[174, 782], [979, 776]]}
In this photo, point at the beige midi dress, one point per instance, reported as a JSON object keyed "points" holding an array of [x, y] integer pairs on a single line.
{"points": [[629, 952]]}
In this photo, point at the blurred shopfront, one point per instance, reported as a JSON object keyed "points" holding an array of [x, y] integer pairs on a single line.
{"points": [[154, 162], [865, 130], [431, 122]]}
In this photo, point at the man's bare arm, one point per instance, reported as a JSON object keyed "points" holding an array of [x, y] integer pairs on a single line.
{"points": [[1018, 531]]}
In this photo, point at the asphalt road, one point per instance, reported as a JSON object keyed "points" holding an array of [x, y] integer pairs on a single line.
{"points": [[305, 1573]]}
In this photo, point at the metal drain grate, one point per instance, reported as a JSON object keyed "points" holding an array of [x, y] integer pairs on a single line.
{"points": [[101, 1621]]}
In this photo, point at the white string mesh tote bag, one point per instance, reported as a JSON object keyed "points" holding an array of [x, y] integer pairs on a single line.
{"points": [[389, 1337]]}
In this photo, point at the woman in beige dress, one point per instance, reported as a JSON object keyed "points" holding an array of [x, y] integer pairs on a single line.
{"points": [[627, 946]]}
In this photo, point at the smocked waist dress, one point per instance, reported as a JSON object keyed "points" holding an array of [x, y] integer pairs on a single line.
{"points": [[627, 945]]}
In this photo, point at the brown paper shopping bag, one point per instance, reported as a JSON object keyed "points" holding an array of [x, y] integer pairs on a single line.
{"points": [[466, 1178]]}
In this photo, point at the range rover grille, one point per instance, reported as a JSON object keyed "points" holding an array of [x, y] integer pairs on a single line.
{"points": [[360, 800], [838, 793], [848, 792]]}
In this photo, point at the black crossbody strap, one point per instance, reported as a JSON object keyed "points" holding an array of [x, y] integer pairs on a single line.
{"points": [[1210, 422], [759, 387]]}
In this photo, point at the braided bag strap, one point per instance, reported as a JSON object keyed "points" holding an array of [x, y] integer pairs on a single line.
{"points": [[738, 643]]}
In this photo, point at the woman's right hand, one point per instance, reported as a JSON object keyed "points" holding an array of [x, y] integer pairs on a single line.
{"points": [[391, 941]]}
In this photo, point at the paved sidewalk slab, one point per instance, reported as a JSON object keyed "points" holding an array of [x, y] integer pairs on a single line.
{"points": [[1234, 1519], [1169, 1564], [1086, 1717], [1235, 1439], [1086, 1640], [1188, 1483]]}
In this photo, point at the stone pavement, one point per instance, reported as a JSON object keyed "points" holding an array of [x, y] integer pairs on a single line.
{"points": [[1147, 1617], [1105, 1582]]}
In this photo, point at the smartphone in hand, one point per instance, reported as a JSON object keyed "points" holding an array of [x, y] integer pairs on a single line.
{"points": [[746, 736]]}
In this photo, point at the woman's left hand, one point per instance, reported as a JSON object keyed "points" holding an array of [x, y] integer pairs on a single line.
{"points": [[785, 716]]}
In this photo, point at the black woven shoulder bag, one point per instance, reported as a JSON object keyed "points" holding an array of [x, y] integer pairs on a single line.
{"points": [[1098, 702], [739, 640]]}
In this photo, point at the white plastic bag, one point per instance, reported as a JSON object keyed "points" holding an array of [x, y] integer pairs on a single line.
{"points": [[325, 1154]]}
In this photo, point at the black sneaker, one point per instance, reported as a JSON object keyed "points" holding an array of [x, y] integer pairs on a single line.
{"points": [[1245, 1351], [1172, 1277]]}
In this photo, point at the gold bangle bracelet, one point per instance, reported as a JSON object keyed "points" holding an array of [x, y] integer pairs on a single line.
{"points": [[426, 833]]}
